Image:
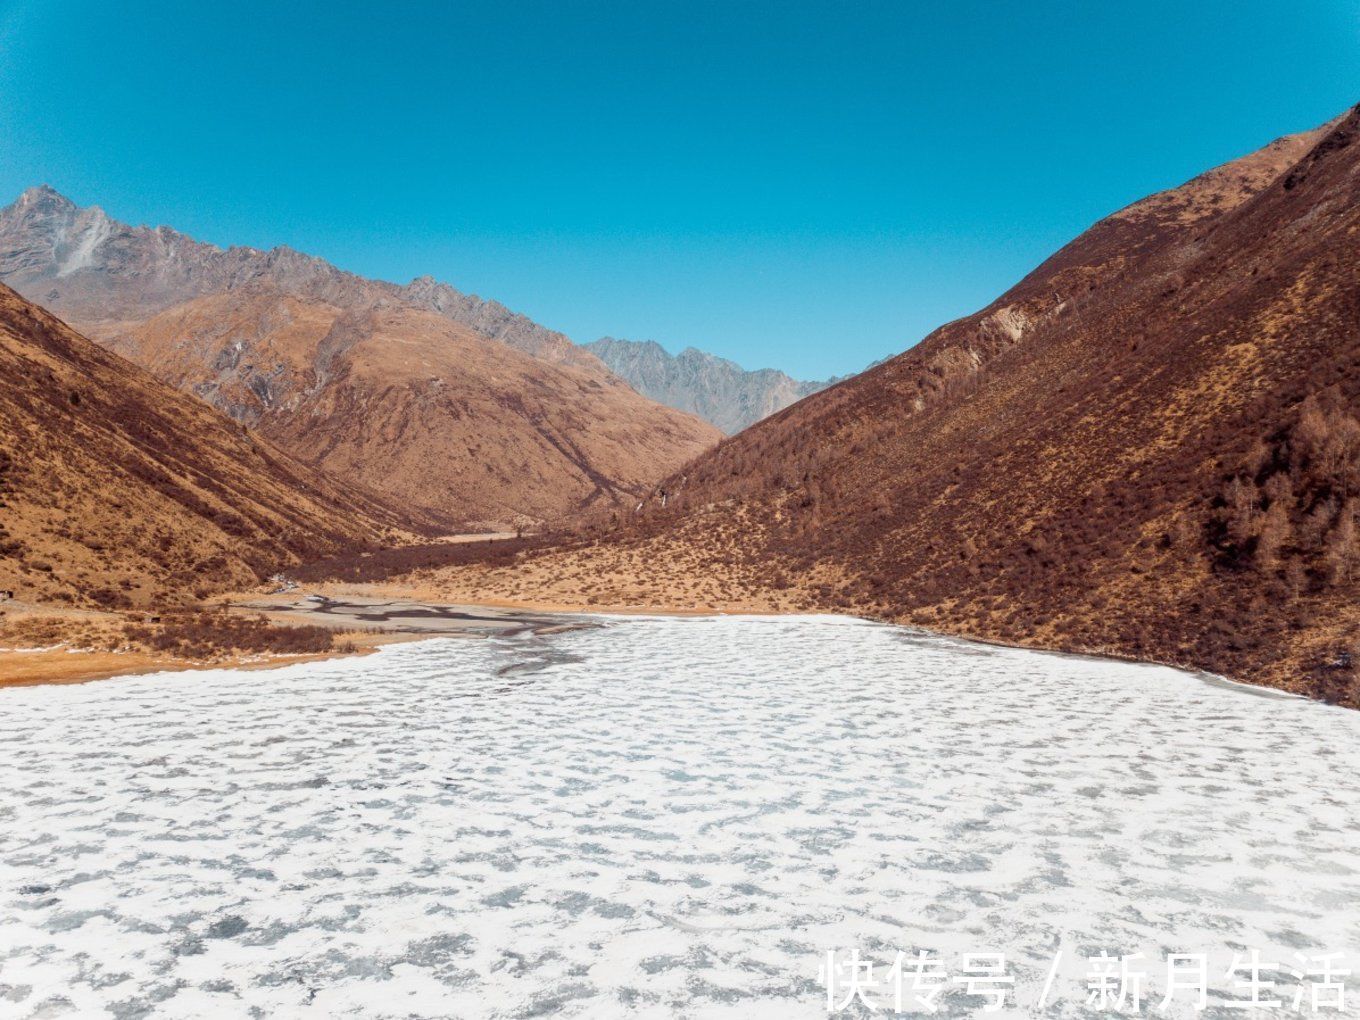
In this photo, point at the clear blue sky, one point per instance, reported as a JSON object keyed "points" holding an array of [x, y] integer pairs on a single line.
{"points": [[805, 185]]}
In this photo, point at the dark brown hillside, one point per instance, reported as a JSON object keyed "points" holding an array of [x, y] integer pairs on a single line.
{"points": [[1148, 447], [117, 490]]}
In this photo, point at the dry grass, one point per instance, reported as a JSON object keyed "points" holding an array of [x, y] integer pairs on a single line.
{"points": [[46, 646]]}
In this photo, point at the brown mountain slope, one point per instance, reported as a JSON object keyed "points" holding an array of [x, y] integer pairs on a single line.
{"points": [[1149, 447], [463, 411], [117, 490], [420, 408]]}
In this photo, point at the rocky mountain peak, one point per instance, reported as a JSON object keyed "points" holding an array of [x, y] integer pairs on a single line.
{"points": [[44, 196]]}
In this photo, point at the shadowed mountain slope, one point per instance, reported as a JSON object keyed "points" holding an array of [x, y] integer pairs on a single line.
{"points": [[1149, 447], [117, 490], [467, 413]]}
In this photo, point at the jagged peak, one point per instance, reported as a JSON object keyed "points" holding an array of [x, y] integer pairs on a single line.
{"points": [[425, 283], [44, 194]]}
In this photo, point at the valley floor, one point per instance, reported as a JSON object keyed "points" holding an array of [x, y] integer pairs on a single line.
{"points": [[683, 816], [537, 593], [57, 645]]}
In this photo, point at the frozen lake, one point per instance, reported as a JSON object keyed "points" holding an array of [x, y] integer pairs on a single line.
{"points": [[659, 818]]}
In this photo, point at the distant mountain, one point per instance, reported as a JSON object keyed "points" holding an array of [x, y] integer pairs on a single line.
{"points": [[463, 411], [118, 490], [1149, 447], [715, 389], [94, 269]]}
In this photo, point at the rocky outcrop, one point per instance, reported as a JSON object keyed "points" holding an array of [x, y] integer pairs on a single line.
{"points": [[92, 269]]}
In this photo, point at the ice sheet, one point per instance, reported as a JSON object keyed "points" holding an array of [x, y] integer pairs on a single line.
{"points": [[654, 818]]}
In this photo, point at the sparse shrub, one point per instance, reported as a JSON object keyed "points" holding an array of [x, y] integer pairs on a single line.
{"points": [[1334, 676], [206, 635], [385, 563]]}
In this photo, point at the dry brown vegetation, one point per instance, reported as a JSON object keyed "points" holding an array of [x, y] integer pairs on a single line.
{"points": [[368, 567], [216, 634], [188, 634], [93, 632], [118, 491], [457, 429]]}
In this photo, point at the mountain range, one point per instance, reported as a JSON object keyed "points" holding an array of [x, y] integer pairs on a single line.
{"points": [[713, 388], [464, 413], [1148, 447]]}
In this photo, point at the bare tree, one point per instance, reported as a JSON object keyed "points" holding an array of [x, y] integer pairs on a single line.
{"points": [[1273, 534], [1242, 500], [1342, 546]]}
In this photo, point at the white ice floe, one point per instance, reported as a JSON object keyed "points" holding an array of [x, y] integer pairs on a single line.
{"points": [[656, 818]]}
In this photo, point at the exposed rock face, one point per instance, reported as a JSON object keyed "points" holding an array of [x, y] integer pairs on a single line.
{"points": [[118, 490], [715, 389], [91, 269], [1150, 447], [462, 410]]}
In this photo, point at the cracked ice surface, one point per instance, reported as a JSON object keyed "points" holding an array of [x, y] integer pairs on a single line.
{"points": [[654, 818]]}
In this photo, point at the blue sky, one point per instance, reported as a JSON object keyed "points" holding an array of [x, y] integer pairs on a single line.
{"points": [[804, 185]]}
